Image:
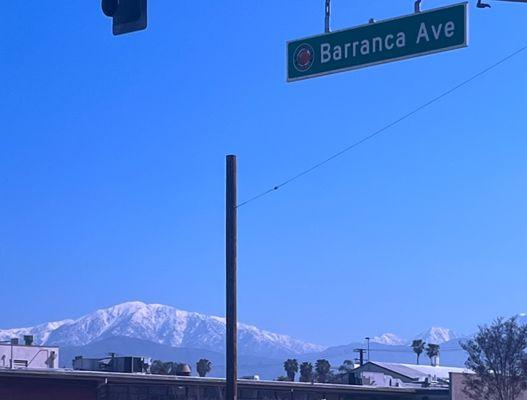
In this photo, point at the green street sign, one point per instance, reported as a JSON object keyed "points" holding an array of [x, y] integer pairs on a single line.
{"points": [[380, 42]]}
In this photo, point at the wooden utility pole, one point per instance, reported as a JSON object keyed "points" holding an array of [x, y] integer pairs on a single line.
{"points": [[231, 253]]}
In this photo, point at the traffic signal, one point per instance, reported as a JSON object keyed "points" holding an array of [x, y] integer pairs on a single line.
{"points": [[128, 15]]}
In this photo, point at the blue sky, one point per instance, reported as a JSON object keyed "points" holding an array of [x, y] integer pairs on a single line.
{"points": [[112, 158]]}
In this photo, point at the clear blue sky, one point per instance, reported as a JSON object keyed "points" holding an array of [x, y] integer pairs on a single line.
{"points": [[112, 170]]}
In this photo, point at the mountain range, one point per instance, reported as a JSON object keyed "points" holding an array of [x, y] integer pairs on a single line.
{"points": [[163, 325], [166, 333], [435, 335]]}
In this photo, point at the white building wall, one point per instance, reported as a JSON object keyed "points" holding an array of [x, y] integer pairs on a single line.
{"points": [[28, 356], [380, 379]]}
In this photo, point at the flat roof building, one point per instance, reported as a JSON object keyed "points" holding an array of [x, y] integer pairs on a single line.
{"points": [[13, 354]]}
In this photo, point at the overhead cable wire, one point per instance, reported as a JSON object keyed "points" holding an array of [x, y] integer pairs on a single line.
{"points": [[385, 128]]}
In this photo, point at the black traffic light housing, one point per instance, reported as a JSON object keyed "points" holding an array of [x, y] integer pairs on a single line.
{"points": [[128, 15]]}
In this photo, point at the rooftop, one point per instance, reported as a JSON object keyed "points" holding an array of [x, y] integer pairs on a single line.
{"points": [[120, 378], [420, 372], [7, 344]]}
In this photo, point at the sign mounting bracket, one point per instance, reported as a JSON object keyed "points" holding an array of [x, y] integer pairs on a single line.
{"points": [[378, 42], [327, 27]]}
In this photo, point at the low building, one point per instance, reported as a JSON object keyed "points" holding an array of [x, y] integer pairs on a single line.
{"points": [[400, 375], [13, 354], [56, 384]]}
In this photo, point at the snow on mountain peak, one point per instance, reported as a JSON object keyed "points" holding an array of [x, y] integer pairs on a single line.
{"points": [[40, 332], [438, 335], [435, 335], [164, 325], [389, 339]]}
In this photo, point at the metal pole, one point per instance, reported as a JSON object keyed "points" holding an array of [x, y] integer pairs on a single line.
{"points": [[361, 355], [361, 352], [327, 28], [231, 266]]}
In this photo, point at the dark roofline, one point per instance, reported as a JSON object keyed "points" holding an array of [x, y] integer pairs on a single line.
{"points": [[25, 345], [116, 378]]}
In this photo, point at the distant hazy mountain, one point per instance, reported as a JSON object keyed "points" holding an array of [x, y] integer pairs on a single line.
{"points": [[266, 368], [451, 354], [247, 365], [164, 325]]}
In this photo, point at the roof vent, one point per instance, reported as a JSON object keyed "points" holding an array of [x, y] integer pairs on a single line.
{"points": [[183, 370], [28, 340]]}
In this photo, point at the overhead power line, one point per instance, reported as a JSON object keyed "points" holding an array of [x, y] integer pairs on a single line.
{"points": [[385, 128]]}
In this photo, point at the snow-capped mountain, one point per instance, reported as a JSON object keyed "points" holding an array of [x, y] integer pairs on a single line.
{"points": [[389, 339], [163, 325], [435, 335], [40, 332], [438, 335]]}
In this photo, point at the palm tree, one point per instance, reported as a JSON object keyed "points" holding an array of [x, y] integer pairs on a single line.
{"points": [[306, 372], [418, 346], [432, 351], [203, 367], [291, 368], [323, 368], [347, 366]]}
